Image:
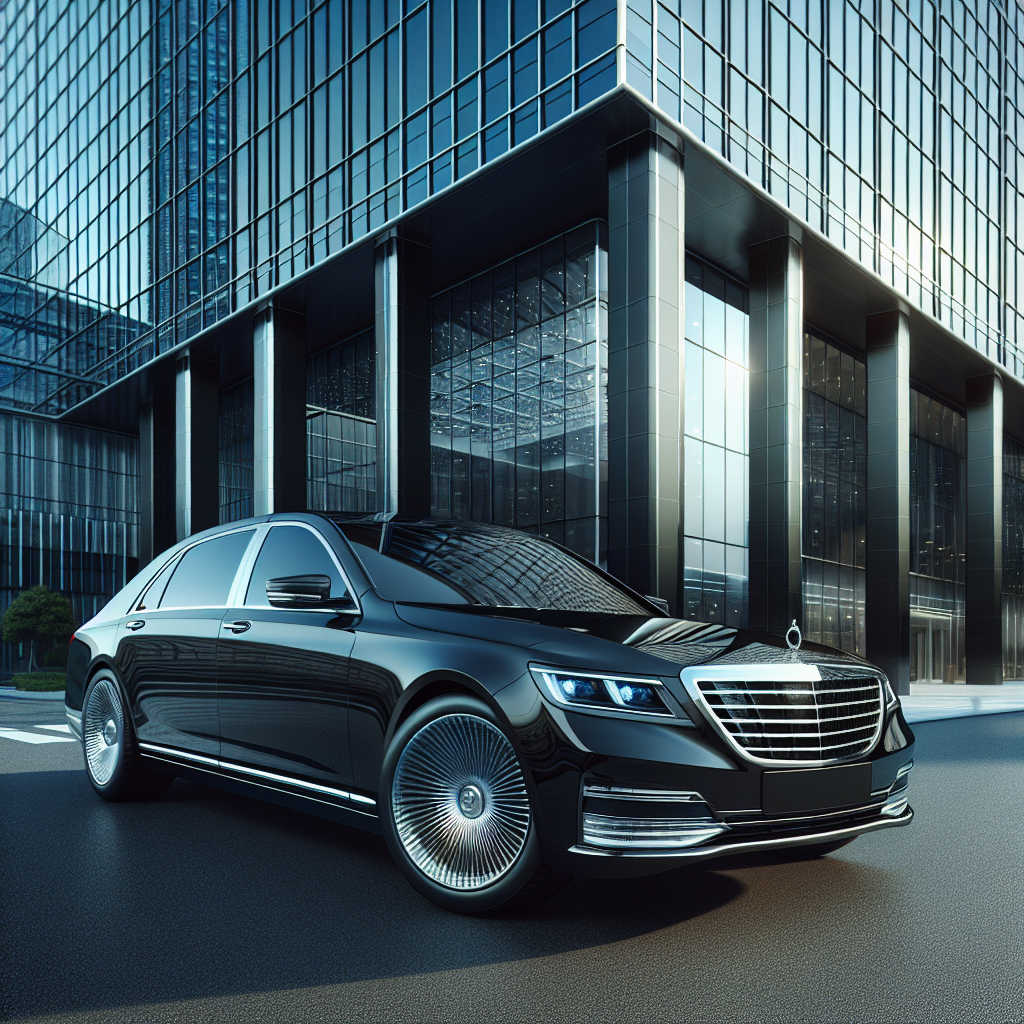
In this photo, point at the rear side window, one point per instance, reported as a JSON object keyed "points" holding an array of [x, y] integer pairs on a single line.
{"points": [[205, 573], [151, 598], [292, 551]]}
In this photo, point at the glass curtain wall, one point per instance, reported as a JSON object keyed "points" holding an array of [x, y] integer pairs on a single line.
{"points": [[716, 448], [1013, 559], [68, 517], [235, 464], [896, 130], [938, 539], [341, 431], [834, 496], [518, 394]]}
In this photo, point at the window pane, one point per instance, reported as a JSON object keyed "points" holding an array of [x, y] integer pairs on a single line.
{"points": [[205, 573]]}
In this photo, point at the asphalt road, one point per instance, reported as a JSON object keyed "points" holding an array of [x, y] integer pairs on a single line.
{"points": [[205, 906]]}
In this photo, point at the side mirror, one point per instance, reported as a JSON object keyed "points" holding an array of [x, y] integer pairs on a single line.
{"points": [[299, 591], [659, 602]]}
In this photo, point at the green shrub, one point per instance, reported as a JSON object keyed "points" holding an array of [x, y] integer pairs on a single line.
{"points": [[40, 682]]}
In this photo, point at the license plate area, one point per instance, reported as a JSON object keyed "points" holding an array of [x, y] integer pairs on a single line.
{"points": [[815, 789]]}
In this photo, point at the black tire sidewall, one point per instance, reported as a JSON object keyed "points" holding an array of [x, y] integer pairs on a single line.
{"points": [[478, 900], [122, 781]]}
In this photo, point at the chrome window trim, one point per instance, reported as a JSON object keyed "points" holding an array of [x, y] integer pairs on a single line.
{"points": [[782, 672], [249, 564], [232, 766]]}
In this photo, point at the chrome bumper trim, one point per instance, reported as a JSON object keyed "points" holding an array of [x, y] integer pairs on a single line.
{"points": [[156, 750], [754, 845], [74, 722]]}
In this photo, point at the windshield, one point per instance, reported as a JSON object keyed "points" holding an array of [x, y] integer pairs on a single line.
{"points": [[459, 563]]}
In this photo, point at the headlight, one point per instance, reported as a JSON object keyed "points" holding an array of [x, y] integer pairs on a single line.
{"points": [[642, 695]]}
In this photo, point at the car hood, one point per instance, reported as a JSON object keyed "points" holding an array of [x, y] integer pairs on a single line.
{"points": [[637, 643]]}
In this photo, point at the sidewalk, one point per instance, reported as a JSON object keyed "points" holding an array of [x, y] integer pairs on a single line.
{"points": [[929, 702], [10, 693]]}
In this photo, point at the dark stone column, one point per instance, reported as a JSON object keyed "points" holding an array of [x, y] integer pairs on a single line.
{"points": [[156, 478], [888, 498], [279, 411], [196, 496], [645, 310], [402, 341], [776, 434], [984, 626]]}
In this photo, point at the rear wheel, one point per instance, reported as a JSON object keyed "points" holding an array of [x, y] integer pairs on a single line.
{"points": [[456, 811], [112, 759]]}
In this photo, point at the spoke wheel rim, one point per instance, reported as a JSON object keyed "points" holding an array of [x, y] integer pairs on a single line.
{"points": [[103, 731], [459, 802]]}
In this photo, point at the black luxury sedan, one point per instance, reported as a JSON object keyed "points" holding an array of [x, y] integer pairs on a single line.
{"points": [[505, 713]]}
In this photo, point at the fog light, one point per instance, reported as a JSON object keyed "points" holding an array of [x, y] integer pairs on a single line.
{"points": [[897, 800], [613, 833]]}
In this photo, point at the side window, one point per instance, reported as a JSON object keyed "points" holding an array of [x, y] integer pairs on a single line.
{"points": [[151, 595], [205, 573], [291, 551]]}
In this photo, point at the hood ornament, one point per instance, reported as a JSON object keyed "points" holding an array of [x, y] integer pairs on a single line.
{"points": [[794, 645]]}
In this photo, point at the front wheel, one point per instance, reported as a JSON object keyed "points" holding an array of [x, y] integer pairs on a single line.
{"points": [[112, 759], [456, 811]]}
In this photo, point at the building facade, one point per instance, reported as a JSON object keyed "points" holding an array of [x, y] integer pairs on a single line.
{"points": [[726, 296]]}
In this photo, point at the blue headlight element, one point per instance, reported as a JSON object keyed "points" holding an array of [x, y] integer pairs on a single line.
{"points": [[611, 693]]}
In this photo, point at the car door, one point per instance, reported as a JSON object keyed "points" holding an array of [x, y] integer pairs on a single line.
{"points": [[283, 672], [167, 647]]}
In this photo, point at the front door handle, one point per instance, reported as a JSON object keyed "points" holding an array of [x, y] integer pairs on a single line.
{"points": [[135, 624], [237, 627]]}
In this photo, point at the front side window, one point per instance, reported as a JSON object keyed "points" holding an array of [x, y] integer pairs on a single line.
{"points": [[292, 551], [204, 574], [460, 563]]}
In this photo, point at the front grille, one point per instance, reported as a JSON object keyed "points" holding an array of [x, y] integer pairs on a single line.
{"points": [[819, 720]]}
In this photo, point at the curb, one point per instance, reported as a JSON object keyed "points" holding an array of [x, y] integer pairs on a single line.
{"points": [[12, 694]]}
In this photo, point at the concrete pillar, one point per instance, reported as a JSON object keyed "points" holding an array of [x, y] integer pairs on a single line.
{"points": [[984, 625], [888, 498], [279, 411], [776, 433], [646, 198], [402, 342], [196, 497], [156, 478]]}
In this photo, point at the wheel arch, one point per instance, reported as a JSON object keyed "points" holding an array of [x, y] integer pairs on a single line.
{"points": [[440, 683]]}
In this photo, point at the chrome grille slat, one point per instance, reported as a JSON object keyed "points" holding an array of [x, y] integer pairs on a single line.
{"points": [[821, 720]]}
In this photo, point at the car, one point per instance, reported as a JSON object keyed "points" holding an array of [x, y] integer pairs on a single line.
{"points": [[507, 714]]}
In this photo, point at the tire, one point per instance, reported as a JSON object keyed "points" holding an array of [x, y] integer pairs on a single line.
{"points": [[451, 778], [111, 751], [813, 850]]}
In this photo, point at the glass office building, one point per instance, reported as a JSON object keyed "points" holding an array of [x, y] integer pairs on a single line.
{"points": [[677, 283]]}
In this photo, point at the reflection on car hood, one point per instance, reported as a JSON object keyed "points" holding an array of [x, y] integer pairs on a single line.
{"points": [[679, 642], [686, 643]]}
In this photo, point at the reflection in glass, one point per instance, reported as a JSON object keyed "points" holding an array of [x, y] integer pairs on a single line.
{"points": [[834, 496], [715, 448], [518, 365]]}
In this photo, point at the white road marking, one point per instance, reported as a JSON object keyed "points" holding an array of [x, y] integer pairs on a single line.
{"points": [[31, 737], [55, 728]]}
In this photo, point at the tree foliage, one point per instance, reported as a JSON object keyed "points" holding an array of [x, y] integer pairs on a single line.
{"points": [[36, 616]]}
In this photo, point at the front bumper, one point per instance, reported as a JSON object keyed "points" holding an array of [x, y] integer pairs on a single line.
{"points": [[730, 846]]}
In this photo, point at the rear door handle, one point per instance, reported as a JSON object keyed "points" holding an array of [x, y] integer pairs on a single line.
{"points": [[237, 627], [135, 624]]}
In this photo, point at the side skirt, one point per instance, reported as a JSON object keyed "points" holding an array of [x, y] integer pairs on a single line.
{"points": [[276, 791]]}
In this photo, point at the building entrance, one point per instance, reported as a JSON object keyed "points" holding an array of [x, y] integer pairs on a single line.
{"points": [[931, 646]]}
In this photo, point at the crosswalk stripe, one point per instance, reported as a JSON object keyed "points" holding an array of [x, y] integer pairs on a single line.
{"points": [[32, 737], [56, 728]]}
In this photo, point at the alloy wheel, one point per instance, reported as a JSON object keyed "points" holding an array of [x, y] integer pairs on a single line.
{"points": [[459, 802], [103, 731]]}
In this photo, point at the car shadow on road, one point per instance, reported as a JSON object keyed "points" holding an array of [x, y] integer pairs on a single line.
{"points": [[205, 893]]}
